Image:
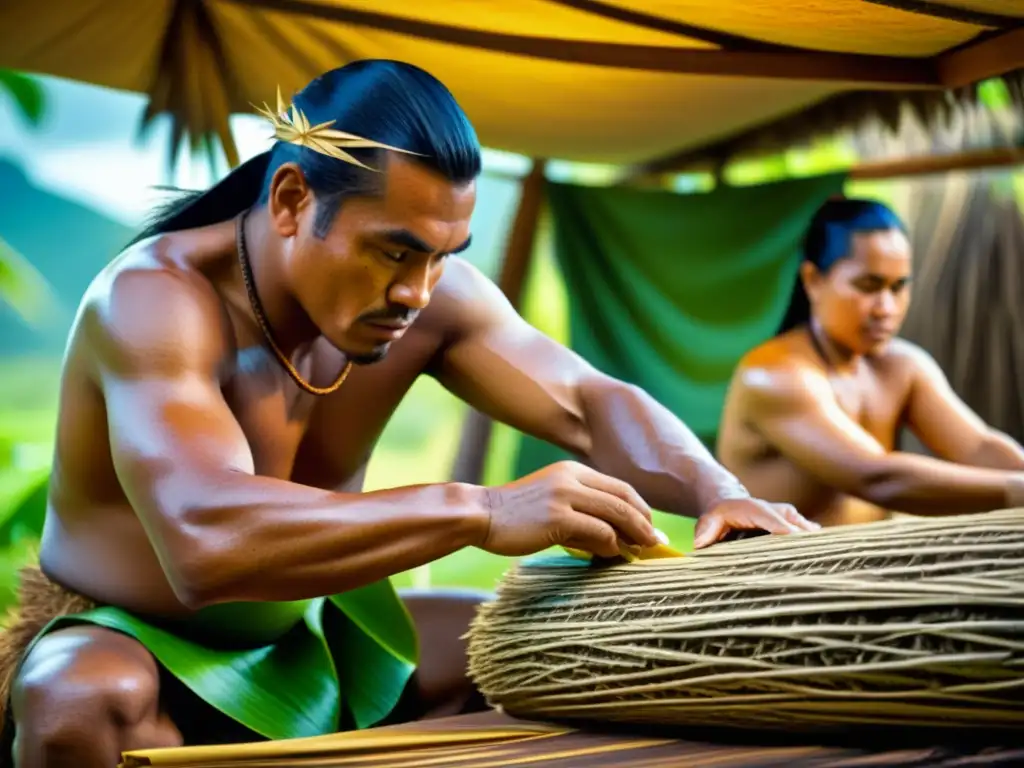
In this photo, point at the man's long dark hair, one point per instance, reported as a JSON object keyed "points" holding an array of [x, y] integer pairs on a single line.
{"points": [[828, 240], [390, 102]]}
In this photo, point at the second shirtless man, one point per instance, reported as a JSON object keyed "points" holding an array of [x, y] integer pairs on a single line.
{"points": [[812, 416]]}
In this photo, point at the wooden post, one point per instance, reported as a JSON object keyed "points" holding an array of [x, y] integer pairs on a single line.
{"points": [[476, 431]]}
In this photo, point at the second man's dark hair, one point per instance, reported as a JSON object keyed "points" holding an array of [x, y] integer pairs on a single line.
{"points": [[828, 239]]}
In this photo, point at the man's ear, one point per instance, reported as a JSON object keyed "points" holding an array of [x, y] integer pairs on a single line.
{"points": [[811, 279], [289, 196]]}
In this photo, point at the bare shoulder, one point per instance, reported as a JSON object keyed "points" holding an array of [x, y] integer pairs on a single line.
{"points": [[463, 286], [907, 358], [779, 374], [463, 298], [150, 311]]}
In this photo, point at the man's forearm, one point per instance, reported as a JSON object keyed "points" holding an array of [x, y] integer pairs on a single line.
{"points": [[638, 440], [260, 539], [998, 451], [922, 485]]}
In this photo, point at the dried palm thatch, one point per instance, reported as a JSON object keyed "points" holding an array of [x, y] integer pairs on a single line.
{"points": [[969, 268], [908, 622], [956, 115]]}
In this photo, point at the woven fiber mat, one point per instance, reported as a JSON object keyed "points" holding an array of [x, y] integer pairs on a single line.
{"points": [[494, 740]]}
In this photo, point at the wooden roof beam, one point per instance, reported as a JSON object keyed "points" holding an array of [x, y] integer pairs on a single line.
{"points": [[879, 170], [988, 56], [645, 20], [951, 13], [852, 70], [926, 165]]}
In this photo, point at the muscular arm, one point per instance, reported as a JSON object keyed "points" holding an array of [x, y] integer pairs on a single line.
{"points": [[221, 533], [795, 411], [948, 427], [504, 367]]}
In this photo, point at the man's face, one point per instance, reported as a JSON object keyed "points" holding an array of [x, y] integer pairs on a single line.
{"points": [[863, 299], [368, 278]]}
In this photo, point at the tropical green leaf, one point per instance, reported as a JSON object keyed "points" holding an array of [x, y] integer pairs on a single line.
{"points": [[23, 519], [27, 94], [23, 287], [280, 691], [296, 686], [994, 94], [379, 612], [376, 650], [290, 689], [13, 559], [315, 624], [372, 678]]}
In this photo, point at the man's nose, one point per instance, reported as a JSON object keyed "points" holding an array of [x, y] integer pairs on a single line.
{"points": [[413, 290], [885, 304]]}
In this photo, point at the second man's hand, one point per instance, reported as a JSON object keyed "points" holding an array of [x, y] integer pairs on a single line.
{"points": [[748, 514]]}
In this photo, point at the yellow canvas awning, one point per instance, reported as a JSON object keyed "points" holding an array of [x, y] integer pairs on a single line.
{"points": [[614, 81]]}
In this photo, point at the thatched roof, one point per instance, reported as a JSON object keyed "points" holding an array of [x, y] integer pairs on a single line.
{"points": [[608, 81], [959, 115]]}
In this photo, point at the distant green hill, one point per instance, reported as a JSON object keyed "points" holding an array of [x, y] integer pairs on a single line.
{"points": [[66, 241]]}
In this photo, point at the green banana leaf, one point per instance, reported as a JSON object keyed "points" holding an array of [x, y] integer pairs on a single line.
{"points": [[296, 686], [361, 657], [379, 612], [24, 288], [21, 284], [377, 650], [22, 519], [21, 524], [27, 94], [280, 691]]}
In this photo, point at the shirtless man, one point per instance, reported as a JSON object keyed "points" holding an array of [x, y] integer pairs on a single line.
{"points": [[213, 433], [813, 415]]}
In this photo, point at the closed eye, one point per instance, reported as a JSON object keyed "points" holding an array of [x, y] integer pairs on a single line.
{"points": [[396, 256], [868, 285]]}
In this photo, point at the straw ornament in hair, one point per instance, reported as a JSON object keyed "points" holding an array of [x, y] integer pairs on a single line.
{"points": [[292, 126]]}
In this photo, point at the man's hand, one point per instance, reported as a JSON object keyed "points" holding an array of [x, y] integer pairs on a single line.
{"points": [[570, 505], [750, 515]]}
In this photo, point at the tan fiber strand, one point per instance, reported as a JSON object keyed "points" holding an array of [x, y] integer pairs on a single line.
{"points": [[916, 621]]}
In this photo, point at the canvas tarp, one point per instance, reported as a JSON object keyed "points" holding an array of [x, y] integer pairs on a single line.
{"points": [[669, 291], [613, 81]]}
